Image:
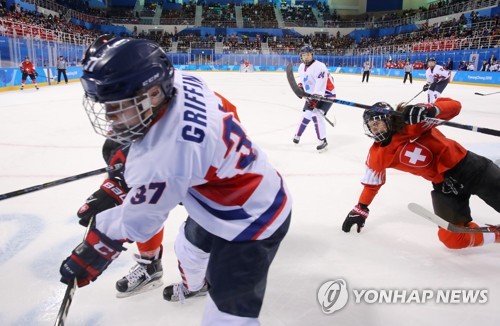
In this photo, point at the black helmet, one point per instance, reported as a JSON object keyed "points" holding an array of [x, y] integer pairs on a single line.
{"points": [[378, 112], [307, 49], [100, 41], [431, 59], [118, 76]]}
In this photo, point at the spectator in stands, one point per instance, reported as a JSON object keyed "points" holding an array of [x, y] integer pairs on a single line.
{"points": [[495, 66], [485, 66], [449, 65], [492, 59]]}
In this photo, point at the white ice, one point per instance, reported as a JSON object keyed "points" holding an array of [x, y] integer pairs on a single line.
{"points": [[45, 135]]}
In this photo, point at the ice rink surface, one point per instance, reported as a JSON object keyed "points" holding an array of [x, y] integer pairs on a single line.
{"points": [[46, 135]]}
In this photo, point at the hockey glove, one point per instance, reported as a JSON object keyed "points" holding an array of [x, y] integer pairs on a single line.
{"points": [[426, 87], [35, 73], [311, 104], [90, 258], [414, 114], [301, 87], [111, 194], [356, 216]]}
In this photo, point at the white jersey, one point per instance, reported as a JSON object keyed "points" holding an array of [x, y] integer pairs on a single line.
{"points": [[316, 79], [436, 74], [198, 155]]}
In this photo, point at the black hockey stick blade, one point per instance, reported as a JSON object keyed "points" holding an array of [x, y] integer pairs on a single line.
{"points": [[70, 291], [486, 94], [425, 213], [293, 84], [60, 181]]}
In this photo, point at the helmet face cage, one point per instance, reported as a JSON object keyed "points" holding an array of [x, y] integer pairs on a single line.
{"points": [[125, 120], [306, 49], [127, 83], [377, 136]]}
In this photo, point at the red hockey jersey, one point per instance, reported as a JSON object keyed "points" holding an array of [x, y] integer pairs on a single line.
{"points": [[419, 149], [27, 67]]}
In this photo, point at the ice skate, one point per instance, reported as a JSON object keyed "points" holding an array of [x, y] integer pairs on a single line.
{"points": [[22, 87], [296, 139], [37, 87], [322, 146], [144, 276], [178, 292]]}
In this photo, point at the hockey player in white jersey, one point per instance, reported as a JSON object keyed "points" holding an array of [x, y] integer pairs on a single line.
{"points": [[314, 78], [437, 78], [184, 149]]}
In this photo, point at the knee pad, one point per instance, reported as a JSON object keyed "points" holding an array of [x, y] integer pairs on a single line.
{"points": [[453, 240]]}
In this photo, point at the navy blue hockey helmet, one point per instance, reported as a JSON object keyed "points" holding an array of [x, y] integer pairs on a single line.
{"points": [[100, 41], [126, 83], [378, 112], [307, 49]]}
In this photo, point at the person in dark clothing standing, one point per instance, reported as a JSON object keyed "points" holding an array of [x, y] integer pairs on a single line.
{"points": [[366, 71], [408, 72], [62, 65], [449, 65]]}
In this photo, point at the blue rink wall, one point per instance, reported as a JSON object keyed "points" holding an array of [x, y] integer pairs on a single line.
{"points": [[10, 78]]}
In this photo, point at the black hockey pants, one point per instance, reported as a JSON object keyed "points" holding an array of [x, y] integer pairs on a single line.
{"points": [[474, 175]]}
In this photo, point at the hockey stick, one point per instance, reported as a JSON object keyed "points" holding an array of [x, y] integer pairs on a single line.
{"points": [[423, 212], [301, 93], [326, 119], [60, 181], [290, 75], [483, 94], [70, 291], [43, 76], [414, 97]]}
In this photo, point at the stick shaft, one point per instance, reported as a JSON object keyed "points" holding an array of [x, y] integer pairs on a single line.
{"points": [[60, 181], [301, 93]]}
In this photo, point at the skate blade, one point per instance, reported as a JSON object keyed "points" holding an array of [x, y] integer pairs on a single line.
{"points": [[322, 150], [148, 287]]}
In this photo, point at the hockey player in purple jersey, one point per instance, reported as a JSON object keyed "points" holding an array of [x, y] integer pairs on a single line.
{"points": [[184, 149]]}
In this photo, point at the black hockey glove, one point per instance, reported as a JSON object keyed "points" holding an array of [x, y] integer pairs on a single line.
{"points": [[111, 194], [414, 114], [357, 216], [90, 258], [35, 73], [426, 87], [311, 104]]}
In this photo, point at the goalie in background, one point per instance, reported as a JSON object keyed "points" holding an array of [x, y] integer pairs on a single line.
{"points": [[410, 144], [314, 78]]}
